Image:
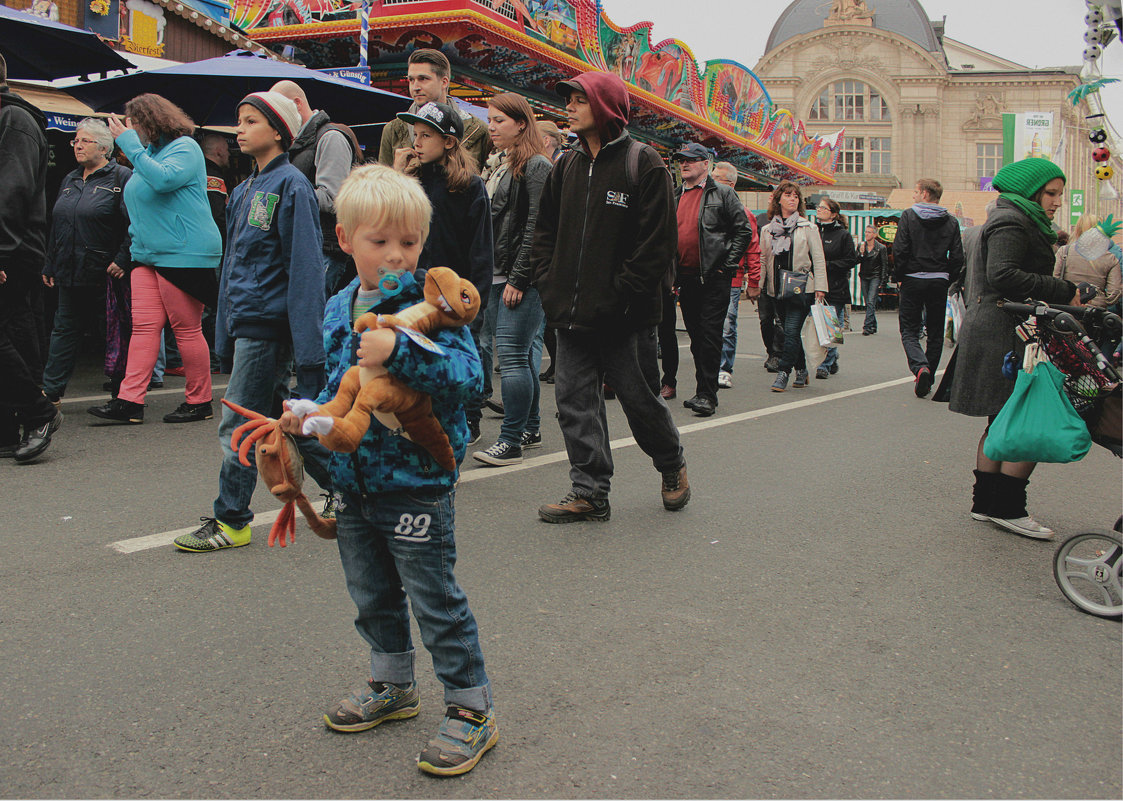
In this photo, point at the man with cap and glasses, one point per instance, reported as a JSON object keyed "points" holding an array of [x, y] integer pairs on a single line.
{"points": [[713, 235]]}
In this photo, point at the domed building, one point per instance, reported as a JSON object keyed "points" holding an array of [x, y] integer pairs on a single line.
{"points": [[917, 104]]}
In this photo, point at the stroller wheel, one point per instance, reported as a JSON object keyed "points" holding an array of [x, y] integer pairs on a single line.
{"points": [[1087, 568]]}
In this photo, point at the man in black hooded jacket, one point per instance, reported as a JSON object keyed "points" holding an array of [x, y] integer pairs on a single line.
{"points": [[23, 229], [603, 247]]}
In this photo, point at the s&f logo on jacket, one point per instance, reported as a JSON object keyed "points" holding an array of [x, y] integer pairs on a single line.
{"points": [[614, 198], [261, 209]]}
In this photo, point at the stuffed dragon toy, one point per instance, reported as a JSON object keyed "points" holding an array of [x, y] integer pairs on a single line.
{"points": [[450, 301]]}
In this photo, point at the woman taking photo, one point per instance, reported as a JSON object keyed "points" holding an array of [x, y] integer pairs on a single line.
{"points": [[840, 256], [790, 243], [176, 247], [1017, 239], [517, 172], [89, 245]]}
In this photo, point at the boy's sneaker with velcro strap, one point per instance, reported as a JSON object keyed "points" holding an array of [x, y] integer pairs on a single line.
{"points": [[213, 535], [465, 735], [365, 709]]}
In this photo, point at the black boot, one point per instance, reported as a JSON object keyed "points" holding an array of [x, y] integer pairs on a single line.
{"points": [[982, 495]]}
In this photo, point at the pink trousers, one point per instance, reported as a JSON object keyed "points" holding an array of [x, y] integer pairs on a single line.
{"points": [[157, 301]]}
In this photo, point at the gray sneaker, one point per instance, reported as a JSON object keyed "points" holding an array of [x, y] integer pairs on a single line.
{"points": [[781, 382], [465, 735], [365, 709]]}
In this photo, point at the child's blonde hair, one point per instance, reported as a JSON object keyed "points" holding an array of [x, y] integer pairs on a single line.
{"points": [[378, 196]]}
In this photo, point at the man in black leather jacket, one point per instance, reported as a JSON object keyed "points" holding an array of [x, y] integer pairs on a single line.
{"points": [[713, 235]]}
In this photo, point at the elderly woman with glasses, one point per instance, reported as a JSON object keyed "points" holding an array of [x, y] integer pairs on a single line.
{"points": [[89, 245]]}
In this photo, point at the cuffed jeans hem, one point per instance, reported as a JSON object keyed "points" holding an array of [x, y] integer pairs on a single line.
{"points": [[475, 698], [392, 668]]}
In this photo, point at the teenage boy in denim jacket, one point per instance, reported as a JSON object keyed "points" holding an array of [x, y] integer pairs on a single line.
{"points": [[270, 307]]}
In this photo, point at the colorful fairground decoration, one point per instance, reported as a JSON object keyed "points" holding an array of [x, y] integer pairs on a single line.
{"points": [[530, 45]]}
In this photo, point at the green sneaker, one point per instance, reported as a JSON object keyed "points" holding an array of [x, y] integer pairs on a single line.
{"points": [[366, 708], [213, 535], [465, 736]]}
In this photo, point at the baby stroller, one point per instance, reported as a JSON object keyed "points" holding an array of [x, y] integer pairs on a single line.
{"points": [[1087, 566]]}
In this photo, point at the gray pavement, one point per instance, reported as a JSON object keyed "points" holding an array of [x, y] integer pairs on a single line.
{"points": [[822, 620]]}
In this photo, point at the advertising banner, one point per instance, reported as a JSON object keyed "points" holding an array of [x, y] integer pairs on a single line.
{"points": [[1028, 134]]}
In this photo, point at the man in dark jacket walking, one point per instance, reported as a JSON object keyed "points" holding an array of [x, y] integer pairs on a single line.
{"points": [[927, 258], [604, 241], [23, 228], [325, 152], [713, 234]]}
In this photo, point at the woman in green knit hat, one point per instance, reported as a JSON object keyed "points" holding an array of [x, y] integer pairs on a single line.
{"points": [[1017, 263]]}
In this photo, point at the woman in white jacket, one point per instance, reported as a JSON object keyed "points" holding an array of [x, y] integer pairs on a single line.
{"points": [[790, 242]]}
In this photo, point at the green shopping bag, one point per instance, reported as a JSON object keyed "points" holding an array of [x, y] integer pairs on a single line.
{"points": [[1037, 422]]}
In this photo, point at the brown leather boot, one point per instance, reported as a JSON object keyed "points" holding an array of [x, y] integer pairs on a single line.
{"points": [[676, 489]]}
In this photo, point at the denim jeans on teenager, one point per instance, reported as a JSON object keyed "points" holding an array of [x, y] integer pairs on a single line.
{"points": [[729, 330], [869, 293], [260, 374], [399, 546], [831, 358], [486, 340], [792, 313], [923, 299], [515, 332], [586, 360], [77, 314]]}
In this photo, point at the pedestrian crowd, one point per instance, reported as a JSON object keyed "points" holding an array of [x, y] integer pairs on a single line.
{"points": [[586, 250]]}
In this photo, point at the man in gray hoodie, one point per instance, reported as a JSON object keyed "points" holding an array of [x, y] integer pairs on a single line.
{"points": [[927, 259]]}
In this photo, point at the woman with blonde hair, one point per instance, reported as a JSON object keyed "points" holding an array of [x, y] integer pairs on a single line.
{"points": [[1087, 258]]}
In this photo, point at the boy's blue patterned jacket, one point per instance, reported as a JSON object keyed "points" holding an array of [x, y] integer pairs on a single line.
{"points": [[386, 462]]}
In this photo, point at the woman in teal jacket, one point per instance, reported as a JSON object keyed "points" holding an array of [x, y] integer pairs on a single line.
{"points": [[176, 247]]}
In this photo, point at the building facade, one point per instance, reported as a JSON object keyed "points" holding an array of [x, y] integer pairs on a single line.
{"points": [[917, 104]]}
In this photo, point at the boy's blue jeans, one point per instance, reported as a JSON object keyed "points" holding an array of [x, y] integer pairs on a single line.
{"points": [[258, 381], [399, 546]]}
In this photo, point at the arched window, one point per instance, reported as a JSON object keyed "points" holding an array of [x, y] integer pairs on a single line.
{"points": [[849, 101]]}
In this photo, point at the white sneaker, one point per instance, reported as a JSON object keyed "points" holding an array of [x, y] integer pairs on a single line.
{"points": [[725, 380], [1026, 526]]}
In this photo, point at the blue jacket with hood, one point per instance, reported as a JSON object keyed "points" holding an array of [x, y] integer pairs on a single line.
{"points": [[386, 462], [273, 273]]}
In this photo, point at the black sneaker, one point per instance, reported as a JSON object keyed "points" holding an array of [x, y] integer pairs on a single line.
{"points": [[772, 364], [494, 405], [923, 382], [119, 411], [37, 440], [190, 413], [574, 507], [473, 432], [531, 439], [154, 384], [499, 454]]}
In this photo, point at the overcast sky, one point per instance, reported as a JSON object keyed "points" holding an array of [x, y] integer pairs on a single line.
{"points": [[1036, 33]]}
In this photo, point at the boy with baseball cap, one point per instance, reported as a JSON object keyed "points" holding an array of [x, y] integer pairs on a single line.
{"points": [[270, 307]]}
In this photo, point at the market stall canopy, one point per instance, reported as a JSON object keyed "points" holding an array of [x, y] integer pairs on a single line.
{"points": [[37, 49], [210, 90]]}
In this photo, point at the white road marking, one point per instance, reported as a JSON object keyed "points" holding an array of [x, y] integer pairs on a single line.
{"points": [[480, 473], [103, 397]]}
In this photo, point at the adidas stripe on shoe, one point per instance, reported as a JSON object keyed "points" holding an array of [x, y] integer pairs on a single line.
{"points": [[213, 535]]}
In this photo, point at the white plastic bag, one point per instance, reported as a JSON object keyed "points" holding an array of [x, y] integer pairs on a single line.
{"points": [[953, 319], [812, 350]]}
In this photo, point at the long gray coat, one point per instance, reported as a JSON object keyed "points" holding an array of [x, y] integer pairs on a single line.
{"points": [[1013, 260]]}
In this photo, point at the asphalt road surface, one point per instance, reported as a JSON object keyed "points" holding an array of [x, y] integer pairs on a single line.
{"points": [[822, 620]]}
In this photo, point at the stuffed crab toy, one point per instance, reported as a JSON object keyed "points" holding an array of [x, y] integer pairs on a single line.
{"points": [[364, 393]]}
